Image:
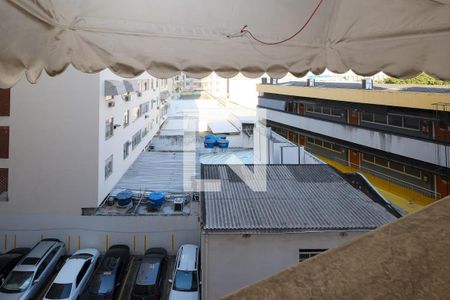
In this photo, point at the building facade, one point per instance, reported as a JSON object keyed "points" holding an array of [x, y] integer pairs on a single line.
{"points": [[249, 235], [398, 137], [69, 139]]}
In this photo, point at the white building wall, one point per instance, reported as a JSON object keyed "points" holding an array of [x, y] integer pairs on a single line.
{"points": [[231, 261], [114, 145], [53, 144]]}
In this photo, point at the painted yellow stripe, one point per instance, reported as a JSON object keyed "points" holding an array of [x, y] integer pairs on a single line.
{"points": [[404, 198]]}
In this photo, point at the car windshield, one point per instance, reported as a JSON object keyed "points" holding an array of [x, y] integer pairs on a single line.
{"points": [[102, 283], [17, 282], [185, 281], [59, 291]]}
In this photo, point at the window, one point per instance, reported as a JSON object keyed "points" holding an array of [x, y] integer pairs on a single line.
{"points": [[4, 184], [304, 254], [411, 123], [367, 117], [382, 162], [185, 281], [145, 131], [135, 113], [310, 140], [378, 118], [326, 110], [309, 107], [17, 281], [5, 96], [109, 128], [83, 271], [126, 118], [4, 141], [126, 149], [108, 166], [317, 109], [59, 291], [136, 139], [395, 121], [368, 158], [336, 112], [396, 166], [412, 171]]}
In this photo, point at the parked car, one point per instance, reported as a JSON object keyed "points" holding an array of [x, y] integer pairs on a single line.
{"points": [[74, 275], [105, 280], [185, 280], [30, 275], [149, 280], [9, 260]]}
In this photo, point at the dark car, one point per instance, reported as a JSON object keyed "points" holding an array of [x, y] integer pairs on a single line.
{"points": [[149, 279], [106, 279], [10, 259]]}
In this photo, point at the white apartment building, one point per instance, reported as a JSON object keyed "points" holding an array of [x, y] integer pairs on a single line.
{"points": [[70, 138]]}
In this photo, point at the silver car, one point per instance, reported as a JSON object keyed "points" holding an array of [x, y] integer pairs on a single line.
{"points": [[29, 276]]}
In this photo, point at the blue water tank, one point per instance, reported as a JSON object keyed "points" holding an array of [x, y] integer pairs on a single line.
{"points": [[210, 143], [124, 198], [222, 137], [210, 137], [223, 143], [156, 199]]}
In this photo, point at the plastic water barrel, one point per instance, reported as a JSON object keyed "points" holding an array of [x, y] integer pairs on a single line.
{"points": [[210, 137], [210, 143], [124, 198], [222, 137], [223, 143], [156, 199]]}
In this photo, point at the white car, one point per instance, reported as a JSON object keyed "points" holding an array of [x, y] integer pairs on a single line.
{"points": [[185, 281], [74, 275]]}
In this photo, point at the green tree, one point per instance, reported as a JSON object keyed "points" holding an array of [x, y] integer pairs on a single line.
{"points": [[422, 79]]}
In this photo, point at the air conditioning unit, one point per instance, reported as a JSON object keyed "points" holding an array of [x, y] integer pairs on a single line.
{"points": [[146, 116], [139, 94], [127, 98], [178, 204], [111, 104]]}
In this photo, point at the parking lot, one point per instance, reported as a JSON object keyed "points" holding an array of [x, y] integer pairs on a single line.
{"points": [[127, 279]]}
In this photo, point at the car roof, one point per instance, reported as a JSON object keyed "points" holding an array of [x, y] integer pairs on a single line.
{"points": [[41, 248], [70, 270], [188, 258], [148, 270]]}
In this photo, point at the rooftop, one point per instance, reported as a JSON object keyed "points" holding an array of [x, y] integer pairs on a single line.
{"points": [[298, 197], [376, 86], [405, 96]]}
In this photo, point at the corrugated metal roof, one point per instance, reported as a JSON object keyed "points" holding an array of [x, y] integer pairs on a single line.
{"points": [[298, 197]]}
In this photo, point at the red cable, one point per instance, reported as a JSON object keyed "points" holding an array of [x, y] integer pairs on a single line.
{"points": [[244, 30]]}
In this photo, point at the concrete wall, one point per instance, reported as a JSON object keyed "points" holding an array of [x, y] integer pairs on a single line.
{"points": [[409, 147], [100, 232], [53, 144], [230, 261]]}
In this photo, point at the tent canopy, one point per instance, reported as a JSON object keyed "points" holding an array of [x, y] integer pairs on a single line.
{"points": [[399, 37]]}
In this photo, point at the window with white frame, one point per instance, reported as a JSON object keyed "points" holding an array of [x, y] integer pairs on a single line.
{"points": [[108, 166], [135, 113], [109, 128], [126, 118]]}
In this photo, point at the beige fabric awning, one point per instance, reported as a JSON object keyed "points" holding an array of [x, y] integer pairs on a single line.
{"points": [[164, 37]]}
